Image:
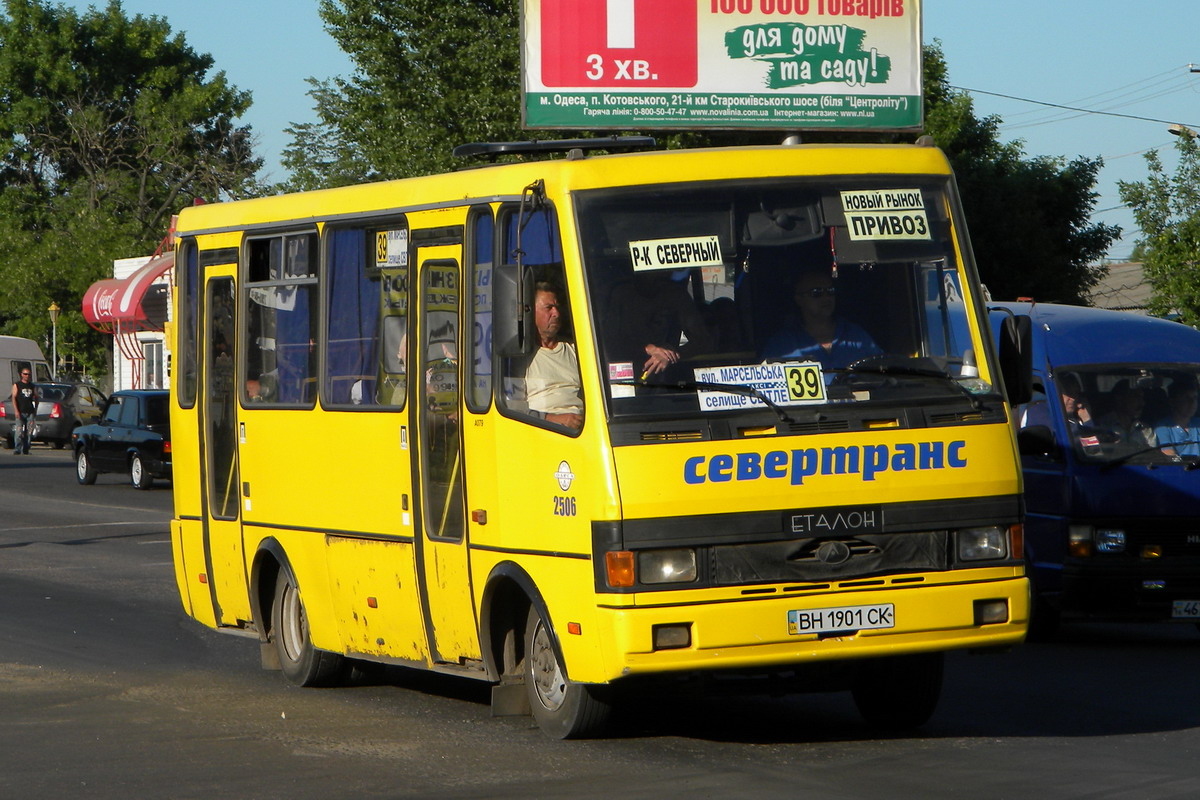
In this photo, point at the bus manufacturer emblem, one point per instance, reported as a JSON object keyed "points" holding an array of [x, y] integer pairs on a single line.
{"points": [[564, 476]]}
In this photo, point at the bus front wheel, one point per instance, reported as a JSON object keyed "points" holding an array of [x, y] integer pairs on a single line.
{"points": [[563, 709], [302, 663], [900, 692]]}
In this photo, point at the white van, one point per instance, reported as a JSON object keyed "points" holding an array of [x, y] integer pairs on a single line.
{"points": [[17, 354]]}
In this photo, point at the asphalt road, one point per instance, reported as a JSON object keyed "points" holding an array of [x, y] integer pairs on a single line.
{"points": [[108, 691]]}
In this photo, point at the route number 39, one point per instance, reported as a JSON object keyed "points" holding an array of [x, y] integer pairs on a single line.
{"points": [[804, 382]]}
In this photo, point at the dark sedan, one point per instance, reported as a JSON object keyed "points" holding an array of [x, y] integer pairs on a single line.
{"points": [[62, 409], [133, 437]]}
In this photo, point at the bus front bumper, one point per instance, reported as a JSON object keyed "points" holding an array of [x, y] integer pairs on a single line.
{"points": [[770, 631]]}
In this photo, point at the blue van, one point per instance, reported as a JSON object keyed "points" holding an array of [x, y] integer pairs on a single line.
{"points": [[1110, 447]]}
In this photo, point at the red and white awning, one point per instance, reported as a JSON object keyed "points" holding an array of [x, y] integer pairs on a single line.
{"points": [[120, 304]]}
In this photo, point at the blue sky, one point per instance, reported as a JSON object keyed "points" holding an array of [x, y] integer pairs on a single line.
{"points": [[1113, 55]]}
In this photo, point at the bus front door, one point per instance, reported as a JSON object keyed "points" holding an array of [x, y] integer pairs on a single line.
{"points": [[223, 549], [444, 571]]}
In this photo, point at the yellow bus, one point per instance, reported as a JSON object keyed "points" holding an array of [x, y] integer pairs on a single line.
{"points": [[576, 420]]}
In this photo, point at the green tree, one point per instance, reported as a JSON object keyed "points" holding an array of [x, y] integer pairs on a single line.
{"points": [[108, 124], [1167, 211], [428, 74]]}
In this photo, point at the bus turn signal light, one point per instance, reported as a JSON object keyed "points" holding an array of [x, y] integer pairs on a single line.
{"points": [[619, 564]]}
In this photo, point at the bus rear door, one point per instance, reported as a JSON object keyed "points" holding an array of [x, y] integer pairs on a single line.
{"points": [[223, 548]]}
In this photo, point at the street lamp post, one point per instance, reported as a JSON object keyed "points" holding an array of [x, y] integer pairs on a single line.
{"points": [[54, 309]]}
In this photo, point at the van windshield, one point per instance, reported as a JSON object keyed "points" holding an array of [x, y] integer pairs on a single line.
{"points": [[1126, 413], [765, 296]]}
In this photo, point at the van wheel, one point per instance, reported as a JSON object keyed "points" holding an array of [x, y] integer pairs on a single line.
{"points": [[302, 664], [563, 709], [84, 470], [139, 476], [900, 692]]}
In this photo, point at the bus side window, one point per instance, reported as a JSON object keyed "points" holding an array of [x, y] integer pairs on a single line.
{"points": [[482, 249], [367, 312], [543, 384], [282, 320]]}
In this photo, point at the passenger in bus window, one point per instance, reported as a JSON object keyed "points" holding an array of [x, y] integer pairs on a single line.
{"points": [[552, 384], [817, 333]]}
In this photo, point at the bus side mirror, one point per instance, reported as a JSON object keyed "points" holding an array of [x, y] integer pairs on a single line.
{"points": [[512, 322], [1016, 358]]}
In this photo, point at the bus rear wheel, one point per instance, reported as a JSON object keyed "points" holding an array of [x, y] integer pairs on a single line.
{"points": [[302, 663], [563, 709], [900, 692]]}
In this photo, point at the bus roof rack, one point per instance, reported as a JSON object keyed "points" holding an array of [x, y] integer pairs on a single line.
{"points": [[494, 149]]}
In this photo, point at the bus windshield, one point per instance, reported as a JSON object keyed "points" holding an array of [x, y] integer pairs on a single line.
{"points": [[764, 296]]}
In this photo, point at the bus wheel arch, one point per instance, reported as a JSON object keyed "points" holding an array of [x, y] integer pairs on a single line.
{"points": [[283, 623], [509, 594], [269, 562], [522, 651]]}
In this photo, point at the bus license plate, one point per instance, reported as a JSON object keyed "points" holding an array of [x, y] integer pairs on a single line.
{"points": [[841, 618], [1186, 609]]}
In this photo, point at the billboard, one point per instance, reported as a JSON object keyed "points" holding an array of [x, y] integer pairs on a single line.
{"points": [[730, 64]]}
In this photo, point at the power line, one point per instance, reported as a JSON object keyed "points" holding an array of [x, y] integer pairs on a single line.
{"points": [[1071, 108], [1125, 90]]}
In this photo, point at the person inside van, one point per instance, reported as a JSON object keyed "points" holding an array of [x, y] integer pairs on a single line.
{"points": [[1180, 433], [1128, 402], [1078, 413]]}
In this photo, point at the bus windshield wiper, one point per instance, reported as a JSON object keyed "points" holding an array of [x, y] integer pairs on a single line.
{"points": [[910, 371], [727, 388]]}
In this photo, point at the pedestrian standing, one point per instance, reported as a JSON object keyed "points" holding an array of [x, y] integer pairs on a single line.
{"points": [[25, 402]]}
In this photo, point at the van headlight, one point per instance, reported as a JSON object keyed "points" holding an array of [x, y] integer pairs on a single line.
{"points": [[1084, 540], [982, 544], [1110, 540], [676, 565]]}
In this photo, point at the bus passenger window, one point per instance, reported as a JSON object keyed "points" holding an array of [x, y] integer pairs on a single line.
{"points": [[367, 312], [480, 366], [282, 321]]}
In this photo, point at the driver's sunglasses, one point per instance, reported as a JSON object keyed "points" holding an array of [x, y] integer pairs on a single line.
{"points": [[818, 291]]}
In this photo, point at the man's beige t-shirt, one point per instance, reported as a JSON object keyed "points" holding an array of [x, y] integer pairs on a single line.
{"points": [[552, 380]]}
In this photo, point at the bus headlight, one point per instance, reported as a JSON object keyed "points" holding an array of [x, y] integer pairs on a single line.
{"points": [[677, 565], [982, 544]]}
